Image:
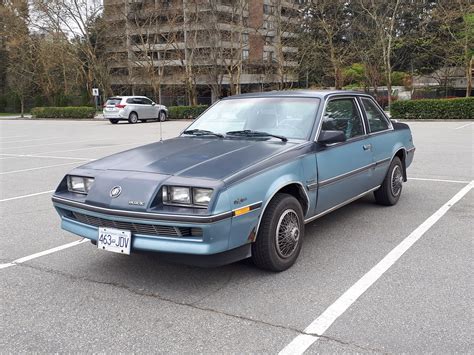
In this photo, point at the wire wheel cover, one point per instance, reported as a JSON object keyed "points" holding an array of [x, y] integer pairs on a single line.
{"points": [[287, 233], [396, 180]]}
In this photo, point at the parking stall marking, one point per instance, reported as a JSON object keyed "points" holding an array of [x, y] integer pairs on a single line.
{"points": [[57, 143], [43, 253], [466, 125], [32, 139], [37, 168], [4, 156], [25, 196], [441, 180], [319, 326]]}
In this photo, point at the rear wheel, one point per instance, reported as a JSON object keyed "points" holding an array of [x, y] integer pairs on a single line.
{"points": [[162, 116], [280, 235], [114, 121], [389, 192], [133, 118]]}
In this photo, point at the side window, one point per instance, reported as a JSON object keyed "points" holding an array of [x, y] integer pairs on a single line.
{"points": [[146, 101], [343, 115], [377, 121], [130, 101]]}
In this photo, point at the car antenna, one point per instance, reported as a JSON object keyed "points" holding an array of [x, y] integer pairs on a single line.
{"points": [[161, 131]]}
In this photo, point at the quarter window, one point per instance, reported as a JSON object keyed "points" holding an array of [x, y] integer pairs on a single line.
{"points": [[377, 121], [343, 115]]}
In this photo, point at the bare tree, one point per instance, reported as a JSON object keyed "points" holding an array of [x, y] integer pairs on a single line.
{"points": [[74, 19], [383, 15]]}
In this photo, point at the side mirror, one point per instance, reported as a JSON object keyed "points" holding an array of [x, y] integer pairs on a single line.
{"points": [[153, 104], [330, 137]]}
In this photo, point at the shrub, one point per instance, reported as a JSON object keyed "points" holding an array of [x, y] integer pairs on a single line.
{"points": [[185, 112], [63, 112], [449, 109]]}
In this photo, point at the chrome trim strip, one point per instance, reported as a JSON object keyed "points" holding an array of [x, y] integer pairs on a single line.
{"points": [[144, 215], [312, 186], [383, 161], [340, 205], [345, 175], [410, 150]]}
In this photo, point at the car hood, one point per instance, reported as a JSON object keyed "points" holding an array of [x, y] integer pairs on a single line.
{"points": [[210, 158]]}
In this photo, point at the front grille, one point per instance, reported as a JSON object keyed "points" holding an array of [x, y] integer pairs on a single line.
{"points": [[139, 228]]}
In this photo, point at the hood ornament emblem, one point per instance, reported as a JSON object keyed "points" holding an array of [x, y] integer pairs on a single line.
{"points": [[116, 191]]}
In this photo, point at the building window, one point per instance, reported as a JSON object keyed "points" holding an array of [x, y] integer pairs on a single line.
{"points": [[268, 25], [268, 9], [245, 37], [268, 40], [267, 56], [245, 54]]}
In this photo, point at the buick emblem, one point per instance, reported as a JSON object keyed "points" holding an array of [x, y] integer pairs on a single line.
{"points": [[115, 192]]}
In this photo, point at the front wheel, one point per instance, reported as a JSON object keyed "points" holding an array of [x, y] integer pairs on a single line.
{"points": [[389, 192], [162, 116], [133, 118], [280, 235]]}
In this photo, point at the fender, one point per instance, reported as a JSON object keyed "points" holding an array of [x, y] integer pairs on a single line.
{"points": [[274, 189]]}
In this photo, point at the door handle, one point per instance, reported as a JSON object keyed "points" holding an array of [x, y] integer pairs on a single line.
{"points": [[367, 146]]}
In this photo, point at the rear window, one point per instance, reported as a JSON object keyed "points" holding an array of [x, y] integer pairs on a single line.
{"points": [[113, 101]]}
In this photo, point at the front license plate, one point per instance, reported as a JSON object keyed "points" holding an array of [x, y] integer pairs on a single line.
{"points": [[114, 240]]}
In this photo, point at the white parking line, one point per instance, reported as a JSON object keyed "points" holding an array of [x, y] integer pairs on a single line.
{"points": [[33, 139], [12, 137], [319, 326], [25, 196], [48, 144], [41, 156], [42, 253], [440, 180], [466, 125], [37, 168]]}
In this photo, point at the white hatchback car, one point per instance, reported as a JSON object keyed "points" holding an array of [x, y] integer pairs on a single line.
{"points": [[133, 109]]}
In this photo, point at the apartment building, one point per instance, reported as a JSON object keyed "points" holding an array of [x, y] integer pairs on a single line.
{"points": [[194, 51]]}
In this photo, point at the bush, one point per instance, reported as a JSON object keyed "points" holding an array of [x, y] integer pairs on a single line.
{"points": [[63, 112], [383, 100], [185, 112], [444, 109]]}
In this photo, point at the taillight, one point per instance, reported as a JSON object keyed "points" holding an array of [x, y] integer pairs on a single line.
{"points": [[120, 106]]}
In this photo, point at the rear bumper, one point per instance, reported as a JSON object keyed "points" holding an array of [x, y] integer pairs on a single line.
{"points": [[115, 115]]}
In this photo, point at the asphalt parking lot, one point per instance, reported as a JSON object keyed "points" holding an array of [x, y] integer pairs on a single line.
{"points": [[80, 299]]}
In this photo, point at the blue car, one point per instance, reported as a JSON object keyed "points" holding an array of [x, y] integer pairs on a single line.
{"points": [[242, 180]]}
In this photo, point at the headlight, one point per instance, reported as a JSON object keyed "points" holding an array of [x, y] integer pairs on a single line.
{"points": [[79, 184], [181, 195], [202, 196]]}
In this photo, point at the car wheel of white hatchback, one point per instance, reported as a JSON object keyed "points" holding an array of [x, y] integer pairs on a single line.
{"points": [[133, 118]]}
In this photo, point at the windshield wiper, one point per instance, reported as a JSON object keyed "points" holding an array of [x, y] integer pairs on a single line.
{"points": [[250, 133], [202, 132]]}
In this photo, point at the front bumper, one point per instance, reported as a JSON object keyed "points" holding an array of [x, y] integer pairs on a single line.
{"points": [[214, 240]]}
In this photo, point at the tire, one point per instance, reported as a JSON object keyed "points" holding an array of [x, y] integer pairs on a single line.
{"points": [[133, 118], [162, 116], [389, 192], [114, 121], [269, 252]]}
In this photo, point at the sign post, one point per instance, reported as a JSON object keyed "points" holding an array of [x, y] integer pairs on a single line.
{"points": [[95, 93]]}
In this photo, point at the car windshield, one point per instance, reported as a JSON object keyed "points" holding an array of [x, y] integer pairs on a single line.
{"points": [[290, 117], [113, 101]]}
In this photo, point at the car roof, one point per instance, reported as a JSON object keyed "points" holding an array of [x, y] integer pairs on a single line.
{"points": [[127, 97], [299, 93]]}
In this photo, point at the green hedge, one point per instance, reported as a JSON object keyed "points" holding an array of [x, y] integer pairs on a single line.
{"points": [[443, 109], [185, 112], [63, 112]]}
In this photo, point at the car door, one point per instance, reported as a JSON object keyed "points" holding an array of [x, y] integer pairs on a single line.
{"points": [[378, 124], [149, 108], [344, 169]]}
